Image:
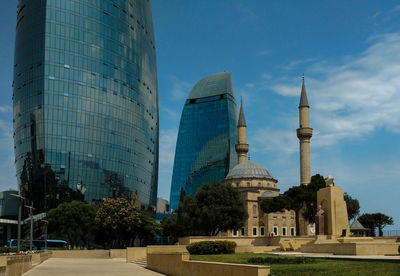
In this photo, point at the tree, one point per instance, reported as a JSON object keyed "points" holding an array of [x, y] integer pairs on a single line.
{"points": [[302, 199], [72, 221], [353, 206], [375, 220], [119, 222], [219, 208], [216, 207], [170, 228], [148, 228]]}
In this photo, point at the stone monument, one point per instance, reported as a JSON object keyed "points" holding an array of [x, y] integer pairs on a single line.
{"points": [[320, 221], [331, 200]]}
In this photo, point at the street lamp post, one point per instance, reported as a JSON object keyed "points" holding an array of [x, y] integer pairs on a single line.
{"points": [[31, 234], [20, 198], [45, 234]]}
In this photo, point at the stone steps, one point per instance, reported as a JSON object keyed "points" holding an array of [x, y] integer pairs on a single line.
{"points": [[141, 262]]}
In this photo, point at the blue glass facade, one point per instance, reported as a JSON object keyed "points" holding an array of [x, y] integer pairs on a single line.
{"points": [[86, 99], [205, 148]]}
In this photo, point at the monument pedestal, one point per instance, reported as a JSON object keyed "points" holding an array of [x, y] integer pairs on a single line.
{"points": [[336, 222]]}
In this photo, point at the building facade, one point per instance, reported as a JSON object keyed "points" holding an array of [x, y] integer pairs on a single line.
{"points": [[85, 101], [205, 148]]}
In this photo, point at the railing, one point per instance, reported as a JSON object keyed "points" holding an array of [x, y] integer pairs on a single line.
{"points": [[391, 233]]}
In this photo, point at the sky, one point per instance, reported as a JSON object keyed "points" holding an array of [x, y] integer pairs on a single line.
{"points": [[349, 52]]}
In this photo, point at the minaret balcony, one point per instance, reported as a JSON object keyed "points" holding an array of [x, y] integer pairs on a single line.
{"points": [[242, 148], [304, 132]]}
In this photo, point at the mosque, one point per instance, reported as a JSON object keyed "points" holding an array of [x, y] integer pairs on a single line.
{"points": [[255, 183]]}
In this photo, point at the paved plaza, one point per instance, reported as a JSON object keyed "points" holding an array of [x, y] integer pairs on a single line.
{"points": [[88, 267]]}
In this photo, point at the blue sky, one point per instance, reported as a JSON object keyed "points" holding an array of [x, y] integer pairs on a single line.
{"points": [[349, 52]]}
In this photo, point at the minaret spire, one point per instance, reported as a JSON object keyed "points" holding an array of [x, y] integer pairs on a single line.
{"points": [[304, 133], [303, 97], [241, 147], [241, 121]]}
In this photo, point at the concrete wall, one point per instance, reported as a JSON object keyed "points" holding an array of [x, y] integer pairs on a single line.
{"points": [[45, 256], [178, 264], [256, 249], [36, 259], [135, 253], [244, 244], [240, 241], [364, 248], [18, 264], [166, 249], [102, 254], [118, 253]]}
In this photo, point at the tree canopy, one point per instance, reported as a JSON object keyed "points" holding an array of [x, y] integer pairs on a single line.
{"points": [[375, 220], [219, 208], [118, 223], [216, 207], [353, 206], [296, 198], [72, 221]]}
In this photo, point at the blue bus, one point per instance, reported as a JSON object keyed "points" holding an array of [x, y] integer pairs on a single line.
{"points": [[39, 244]]}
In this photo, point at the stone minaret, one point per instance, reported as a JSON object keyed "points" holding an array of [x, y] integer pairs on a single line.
{"points": [[241, 147], [304, 133]]}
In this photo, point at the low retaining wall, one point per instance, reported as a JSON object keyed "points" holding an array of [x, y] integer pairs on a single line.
{"points": [[166, 249], [256, 249], [363, 248], [16, 265], [117, 253], [98, 254], [285, 243], [45, 256], [135, 253], [240, 241], [178, 264]]}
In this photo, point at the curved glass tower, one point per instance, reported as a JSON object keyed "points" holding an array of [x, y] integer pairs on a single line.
{"points": [[85, 101], [205, 149]]}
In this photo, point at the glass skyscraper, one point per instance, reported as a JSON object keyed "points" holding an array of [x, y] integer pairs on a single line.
{"points": [[205, 148], [85, 101]]}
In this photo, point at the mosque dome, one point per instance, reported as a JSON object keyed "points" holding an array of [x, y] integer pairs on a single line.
{"points": [[249, 170], [268, 194]]}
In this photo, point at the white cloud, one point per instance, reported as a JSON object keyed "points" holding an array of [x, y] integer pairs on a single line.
{"points": [[5, 108], [264, 53], [167, 147], [169, 113], [7, 167], [166, 160], [180, 89], [246, 15], [356, 97], [267, 140], [396, 9], [294, 63]]}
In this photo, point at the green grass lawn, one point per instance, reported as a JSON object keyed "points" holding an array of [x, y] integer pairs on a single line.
{"points": [[319, 267]]}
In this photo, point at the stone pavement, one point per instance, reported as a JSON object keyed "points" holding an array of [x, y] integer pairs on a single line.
{"points": [[88, 267]]}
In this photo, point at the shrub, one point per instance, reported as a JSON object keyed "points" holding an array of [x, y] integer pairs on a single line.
{"points": [[280, 260], [5, 249], [211, 247], [399, 249]]}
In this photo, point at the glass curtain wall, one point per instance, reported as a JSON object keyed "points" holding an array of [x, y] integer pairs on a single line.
{"points": [[86, 101], [205, 149]]}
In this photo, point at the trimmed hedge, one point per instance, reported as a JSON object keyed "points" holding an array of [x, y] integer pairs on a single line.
{"points": [[211, 247], [5, 249], [280, 260]]}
